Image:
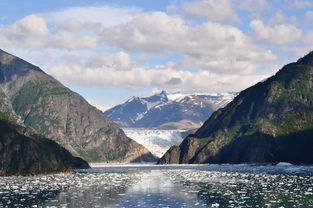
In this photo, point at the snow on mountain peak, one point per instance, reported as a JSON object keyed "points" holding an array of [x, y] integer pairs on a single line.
{"points": [[168, 110]]}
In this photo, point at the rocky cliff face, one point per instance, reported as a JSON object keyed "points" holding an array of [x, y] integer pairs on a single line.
{"points": [[24, 152], [38, 100], [268, 122]]}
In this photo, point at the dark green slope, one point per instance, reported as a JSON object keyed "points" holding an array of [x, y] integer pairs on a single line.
{"points": [[271, 121], [24, 152]]}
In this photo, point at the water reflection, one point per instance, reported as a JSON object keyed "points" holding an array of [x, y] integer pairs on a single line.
{"points": [[156, 189], [151, 186]]}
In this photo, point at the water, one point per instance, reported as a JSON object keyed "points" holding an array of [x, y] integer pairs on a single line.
{"points": [[146, 185]]}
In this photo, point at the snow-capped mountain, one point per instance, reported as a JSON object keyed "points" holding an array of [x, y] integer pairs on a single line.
{"points": [[168, 111], [156, 141]]}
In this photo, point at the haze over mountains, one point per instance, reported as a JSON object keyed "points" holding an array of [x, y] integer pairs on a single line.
{"points": [[36, 99], [168, 111], [269, 122]]}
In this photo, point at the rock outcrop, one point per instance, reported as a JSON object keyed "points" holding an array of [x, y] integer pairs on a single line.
{"points": [[38, 100], [269, 122]]}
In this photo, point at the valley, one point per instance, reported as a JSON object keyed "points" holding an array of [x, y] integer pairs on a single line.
{"points": [[157, 104]]}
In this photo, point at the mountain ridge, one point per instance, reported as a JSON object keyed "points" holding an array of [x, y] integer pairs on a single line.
{"points": [[36, 99], [170, 111], [264, 123]]}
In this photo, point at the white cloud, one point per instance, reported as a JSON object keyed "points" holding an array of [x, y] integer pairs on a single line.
{"points": [[32, 32], [301, 4], [305, 47], [224, 57], [216, 10], [106, 15], [278, 34], [154, 33], [119, 61], [71, 28], [32, 25], [309, 17], [29, 31], [308, 38], [277, 18], [212, 46], [71, 40], [139, 76], [171, 8], [252, 5], [101, 105]]}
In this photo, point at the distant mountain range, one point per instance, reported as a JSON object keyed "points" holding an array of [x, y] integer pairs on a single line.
{"points": [[33, 98], [168, 111], [269, 122]]}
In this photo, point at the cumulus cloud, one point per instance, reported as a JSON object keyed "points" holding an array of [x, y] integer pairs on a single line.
{"points": [[212, 46], [252, 5], [33, 25], [32, 32], [278, 34], [277, 18], [140, 76], [29, 31], [212, 9], [308, 38], [71, 28], [71, 40], [119, 61], [107, 16], [224, 57], [301, 4], [309, 16]]}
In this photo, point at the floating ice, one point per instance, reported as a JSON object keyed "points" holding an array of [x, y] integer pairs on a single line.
{"points": [[164, 186]]}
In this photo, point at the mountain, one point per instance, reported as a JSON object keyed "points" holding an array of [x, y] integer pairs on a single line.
{"points": [[24, 152], [36, 99], [128, 113], [269, 122], [168, 111]]}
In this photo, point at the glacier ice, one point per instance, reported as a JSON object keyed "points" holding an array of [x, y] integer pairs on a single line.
{"points": [[156, 141]]}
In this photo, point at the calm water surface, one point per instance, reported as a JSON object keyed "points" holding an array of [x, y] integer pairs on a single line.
{"points": [[164, 186]]}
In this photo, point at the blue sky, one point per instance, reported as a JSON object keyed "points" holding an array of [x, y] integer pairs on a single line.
{"points": [[108, 51]]}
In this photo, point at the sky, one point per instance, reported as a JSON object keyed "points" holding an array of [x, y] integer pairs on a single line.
{"points": [[111, 50]]}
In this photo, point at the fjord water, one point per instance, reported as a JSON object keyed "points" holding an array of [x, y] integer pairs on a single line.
{"points": [[146, 185]]}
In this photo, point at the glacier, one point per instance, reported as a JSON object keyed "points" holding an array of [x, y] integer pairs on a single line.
{"points": [[156, 141]]}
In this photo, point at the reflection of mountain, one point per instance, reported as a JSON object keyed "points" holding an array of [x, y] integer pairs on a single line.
{"points": [[168, 111], [156, 189]]}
